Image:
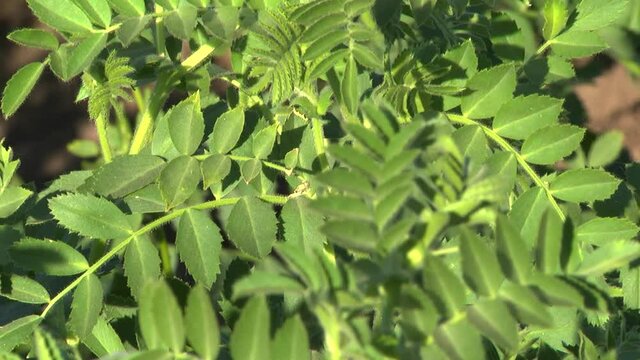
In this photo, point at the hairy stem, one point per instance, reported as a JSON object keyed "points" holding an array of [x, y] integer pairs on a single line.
{"points": [[101, 126], [504, 144]]}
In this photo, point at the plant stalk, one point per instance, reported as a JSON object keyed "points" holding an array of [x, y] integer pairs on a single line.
{"points": [[101, 126]]}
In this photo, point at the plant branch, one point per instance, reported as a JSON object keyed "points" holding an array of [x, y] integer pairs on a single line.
{"points": [[504, 144]]}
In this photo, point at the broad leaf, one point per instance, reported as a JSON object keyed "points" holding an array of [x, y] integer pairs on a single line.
{"points": [[160, 317], [264, 283], [263, 142], [90, 216], [302, 225], [141, 264], [201, 324], [600, 231], [215, 168], [97, 10], [17, 331], [186, 125], [479, 265], [459, 340], [34, 38], [227, 131], [597, 14], [103, 339], [199, 244], [128, 7], [252, 227], [250, 338], [526, 214], [555, 17], [179, 180], [512, 251], [62, 15], [609, 257], [19, 87], [584, 185], [82, 55], [489, 90], [606, 148], [522, 116], [493, 320], [86, 306], [291, 341], [48, 257], [181, 22], [575, 44], [11, 199], [524, 305], [116, 179], [443, 286], [552, 143], [23, 289]]}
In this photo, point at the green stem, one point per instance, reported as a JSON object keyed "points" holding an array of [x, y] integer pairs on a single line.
{"points": [[521, 161], [101, 125]]}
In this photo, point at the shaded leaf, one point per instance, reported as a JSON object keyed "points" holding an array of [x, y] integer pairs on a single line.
{"points": [[252, 227], [48, 257]]}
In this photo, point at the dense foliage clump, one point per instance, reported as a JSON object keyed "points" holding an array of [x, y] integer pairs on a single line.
{"points": [[382, 179]]}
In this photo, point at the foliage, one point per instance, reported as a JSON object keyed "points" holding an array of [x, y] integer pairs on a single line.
{"points": [[382, 179]]}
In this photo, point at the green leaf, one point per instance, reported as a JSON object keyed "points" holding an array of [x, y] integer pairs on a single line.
{"points": [[512, 251], [291, 341], [555, 290], [555, 18], [524, 305], [479, 265], [131, 28], [611, 256], [83, 148], [606, 148], [17, 331], [597, 14], [325, 44], [146, 200], [141, 264], [493, 319], [48, 257], [215, 168], [265, 283], [522, 116], [252, 227], [19, 87], [600, 231], [459, 340], [250, 338], [202, 324], [128, 7], [630, 277], [355, 159], [472, 142], [181, 22], [103, 339], [550, 243], [84, 53], [250, 169], [11, 199], [575, 44], [443, 286], [199, 244], [526, 214], [263, 142], [160, 318], [90, 216], [23, 289], [302, 225], [349, 86], [62, 15], [168, 4], [186, 125], [552, 143], [355, 235], [34, 38], [179, 180], [116, 179], [86, 306], [344, 180], [584, 185], [97, 10], [227, 131], [343, 207], [489, 90]]}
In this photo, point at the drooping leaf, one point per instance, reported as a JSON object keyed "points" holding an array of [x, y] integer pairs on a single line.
{"points": [[584, 185], [141, 264], [48, 257], [62, 15], [117, 179], [291, 341], [160, 317], [179, 180], [23, 289], [86, 306], [551, 143], [522, 116], [17, 331], [186, 125], [250, 338], [37, 38], [90, 216], [227, 131], [19, 87], [252, 227], [201, 324], [489, 90], [199, 243]]}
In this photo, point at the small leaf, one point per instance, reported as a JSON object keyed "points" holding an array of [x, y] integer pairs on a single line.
{"points": [[17, 331], [550, 243], [524, 304], [611, 256], [459, 340], [490, 89], [522, 116], [512, 251], [48, 257], [90, 216], [606, 148], [555, 18], [11, 199], [182, 21], [291, 341], [252, 227], [160, 317], [116, 179], [202, 325], [82, 55], [597, 14], [141, 264], [179, 180], [584, 185], [479, 265], [97, 10], [493, 320], [215, 168], [186, 125], [526, 214], [349, 86], [265, 283], [131, 28], [250, 169], [302, 225], [263, 142], [250, 338], [19, 87], [34, 38], [23, 289], [199, 244], [146, 200], [86, 306], [443, 286], [600, 231], [128, 7], [356, 235], [630, 277], [552, 143], [62, 15], [103, 339], [227, 131], [575, 44]]}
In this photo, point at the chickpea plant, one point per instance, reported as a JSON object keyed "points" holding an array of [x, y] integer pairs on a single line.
{"points": [[383, 179]]}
